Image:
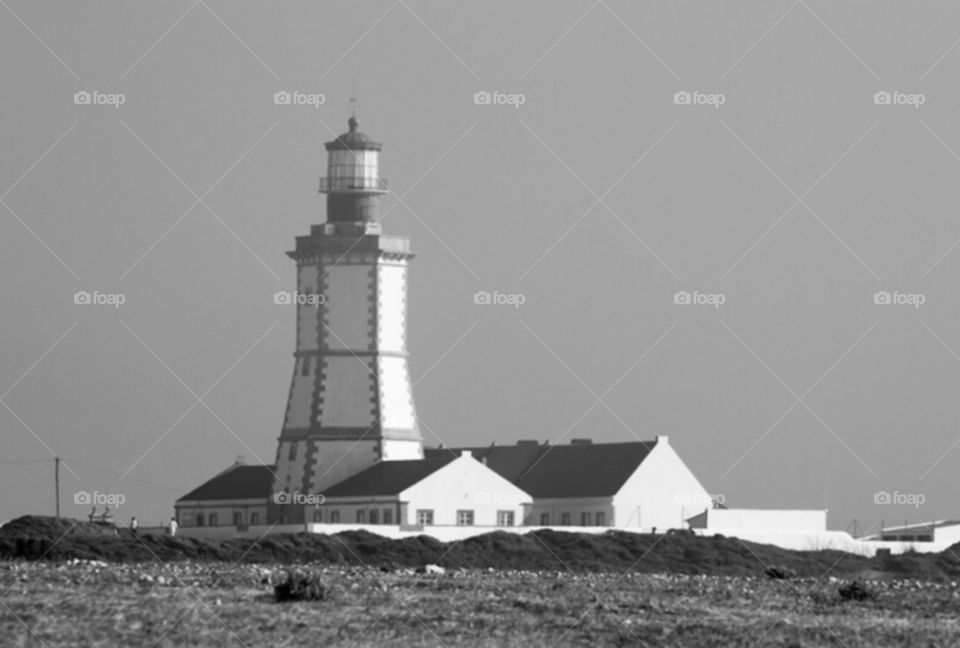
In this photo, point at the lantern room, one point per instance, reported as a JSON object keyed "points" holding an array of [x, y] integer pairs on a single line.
{"points": [[352, 164]]}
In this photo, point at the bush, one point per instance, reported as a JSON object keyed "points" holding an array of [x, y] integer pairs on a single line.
{"points": [[301, 586], [856, 591], [779, 572]]}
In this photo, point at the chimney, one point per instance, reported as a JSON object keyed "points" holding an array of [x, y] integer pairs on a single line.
{"points": [[581, 441], [466, 453], [662, 438]]}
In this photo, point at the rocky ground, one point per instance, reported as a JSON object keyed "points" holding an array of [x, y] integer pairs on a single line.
{"points": [[93, 603]]}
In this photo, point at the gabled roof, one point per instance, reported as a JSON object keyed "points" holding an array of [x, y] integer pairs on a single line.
{"points": [[388, 477], [237, 482], [577, 470]]}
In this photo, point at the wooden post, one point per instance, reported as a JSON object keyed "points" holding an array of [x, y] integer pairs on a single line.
{"points": [[56, 482]]}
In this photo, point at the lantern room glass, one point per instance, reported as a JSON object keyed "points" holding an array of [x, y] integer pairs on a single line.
{"points": [[352, 169]]}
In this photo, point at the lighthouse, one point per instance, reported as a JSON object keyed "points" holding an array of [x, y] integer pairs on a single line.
{"points": [[351, 403]]}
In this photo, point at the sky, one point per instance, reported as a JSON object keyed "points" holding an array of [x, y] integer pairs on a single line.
{"points": [[631, 154]]}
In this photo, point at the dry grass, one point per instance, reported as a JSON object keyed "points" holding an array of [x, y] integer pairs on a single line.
{"points": [[215, 605]]}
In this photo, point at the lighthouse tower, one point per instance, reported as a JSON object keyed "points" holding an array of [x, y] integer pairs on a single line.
{"points": [[351, 402]]}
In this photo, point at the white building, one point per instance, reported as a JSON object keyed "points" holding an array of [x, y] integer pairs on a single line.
{"points": [[731, 521], [941, 532]]}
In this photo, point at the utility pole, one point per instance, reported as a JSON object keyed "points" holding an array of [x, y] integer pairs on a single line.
{"points": [[56, 482]]}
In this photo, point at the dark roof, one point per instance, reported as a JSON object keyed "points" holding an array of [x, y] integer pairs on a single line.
{"points": [[237, 482], [353, 140], [580, 470], [388, 477]]}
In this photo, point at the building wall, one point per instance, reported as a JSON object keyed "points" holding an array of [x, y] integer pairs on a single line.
{"points": [[186, 512], [947, 534], [662, 493], [465, 484], [574, 507], [769, 519]]}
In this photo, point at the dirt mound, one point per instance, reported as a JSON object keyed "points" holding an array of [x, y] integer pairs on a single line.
{"points": [[34, 538]]}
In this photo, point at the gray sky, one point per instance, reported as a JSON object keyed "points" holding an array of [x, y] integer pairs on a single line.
{"points": [[596, 199]]}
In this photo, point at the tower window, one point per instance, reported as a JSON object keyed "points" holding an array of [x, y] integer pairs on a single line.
{"points": [[293, 451], [305, 369]]}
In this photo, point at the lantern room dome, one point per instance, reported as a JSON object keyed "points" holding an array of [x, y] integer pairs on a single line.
{"points": [[353, 140]]}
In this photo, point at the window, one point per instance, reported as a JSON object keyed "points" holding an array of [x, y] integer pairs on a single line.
{"points": [[213, 519], [254, 518], [374, 516], [565, 519], [334, 517], [237, 518], [465, 518], [318, 515], [361, 517], [505, 518], [425, 517], [199, 519], [305, 369], [601, 519], [544, 519], [387, 516], [293, 451], [584, 519]]}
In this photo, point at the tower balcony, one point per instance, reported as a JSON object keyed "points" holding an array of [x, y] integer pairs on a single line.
{"points": [[346, 185]]}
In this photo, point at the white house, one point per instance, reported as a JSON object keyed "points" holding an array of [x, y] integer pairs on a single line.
{"points": [[639, 484], [945, 532], [454, 489]]}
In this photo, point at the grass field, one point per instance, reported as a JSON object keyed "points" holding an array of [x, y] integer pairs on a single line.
{"points": [[217, 604]]}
